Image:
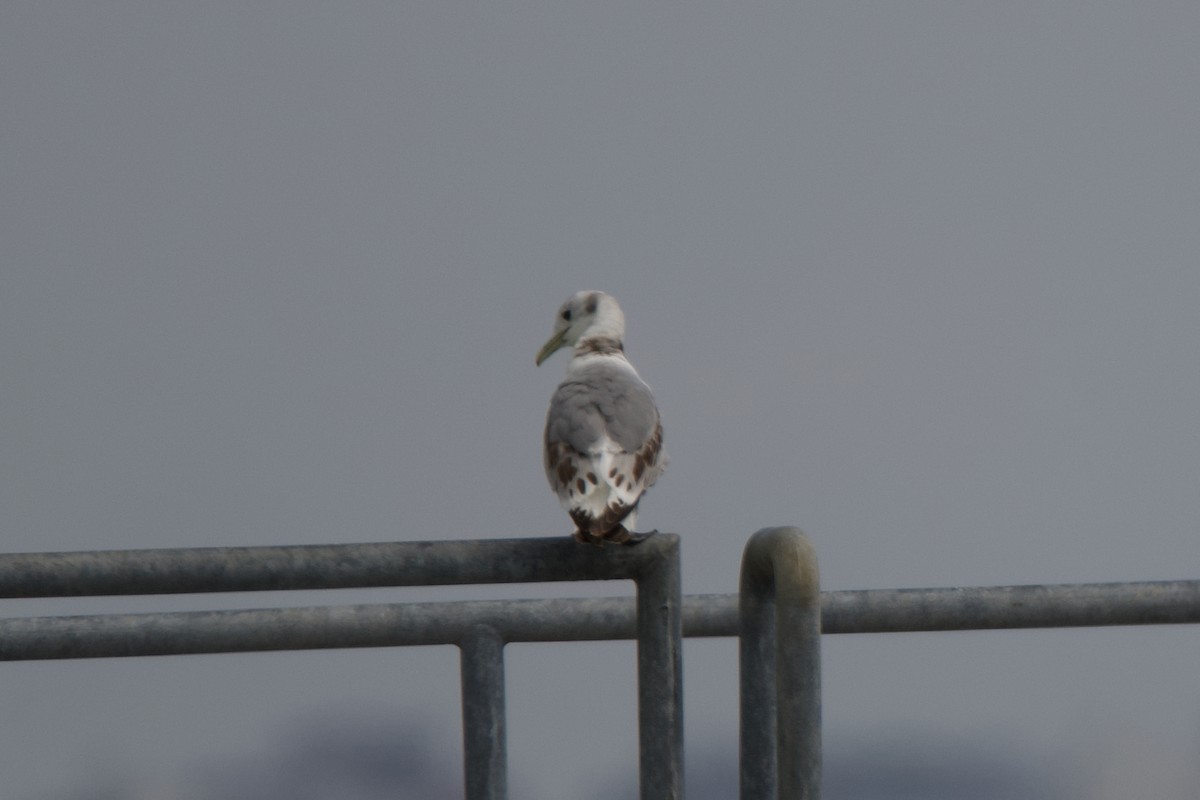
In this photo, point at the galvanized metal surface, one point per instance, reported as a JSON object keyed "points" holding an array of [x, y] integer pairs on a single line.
{"points": [[653, 565], [590, 619], [244, 569], [995, 607], [251, 569], [485, 740], [314, 627], [480, 629], [660, 679], [780, 663]]}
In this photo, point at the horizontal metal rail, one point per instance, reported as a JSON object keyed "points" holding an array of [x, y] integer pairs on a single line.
{"points": [[589, 619], [316, 627], [1000, 607], [342, 566]]}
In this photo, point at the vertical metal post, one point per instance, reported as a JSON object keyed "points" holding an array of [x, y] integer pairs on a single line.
{"points": [[780, 590], [660, 677], [485, 758], [756, 656]]}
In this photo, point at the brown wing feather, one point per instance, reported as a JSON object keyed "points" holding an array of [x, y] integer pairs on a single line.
{"points": [[572, 476]]}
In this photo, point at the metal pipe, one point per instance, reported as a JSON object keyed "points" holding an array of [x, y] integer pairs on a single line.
{"points": [[780, 673], [485, 746], [995, 607], [585, 619], [758, 724], [660, 677], [252, 569], [321, 627]]}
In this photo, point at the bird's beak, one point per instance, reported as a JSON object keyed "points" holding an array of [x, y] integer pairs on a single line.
{"points": [[556, 341]]}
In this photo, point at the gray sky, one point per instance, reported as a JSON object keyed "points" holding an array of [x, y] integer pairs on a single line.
{"points": [[920, 277]]}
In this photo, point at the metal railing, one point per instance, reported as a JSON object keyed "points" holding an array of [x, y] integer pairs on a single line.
{"points": [[779, 617], [480, 630]]}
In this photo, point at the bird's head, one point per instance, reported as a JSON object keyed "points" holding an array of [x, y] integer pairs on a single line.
{"points": [[585, 315]]}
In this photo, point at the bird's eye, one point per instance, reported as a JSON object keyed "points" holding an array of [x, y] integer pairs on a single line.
{"points": [[566, 314]]}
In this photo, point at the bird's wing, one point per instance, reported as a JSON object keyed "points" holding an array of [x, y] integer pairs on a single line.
{"points": [[603, 445]]}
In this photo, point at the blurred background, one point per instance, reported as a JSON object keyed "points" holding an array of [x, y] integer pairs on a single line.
{"points": [[920, 277]]}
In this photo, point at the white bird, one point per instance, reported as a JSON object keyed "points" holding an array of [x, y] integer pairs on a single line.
{"points": [[603, 440]]}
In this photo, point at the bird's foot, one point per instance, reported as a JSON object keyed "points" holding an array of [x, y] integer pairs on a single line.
{"points": [[618, 535], [633, 537], [622, 535], [584, 537]]}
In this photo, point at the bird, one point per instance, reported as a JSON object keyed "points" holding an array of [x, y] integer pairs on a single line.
{"points": [[603, 438]]}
